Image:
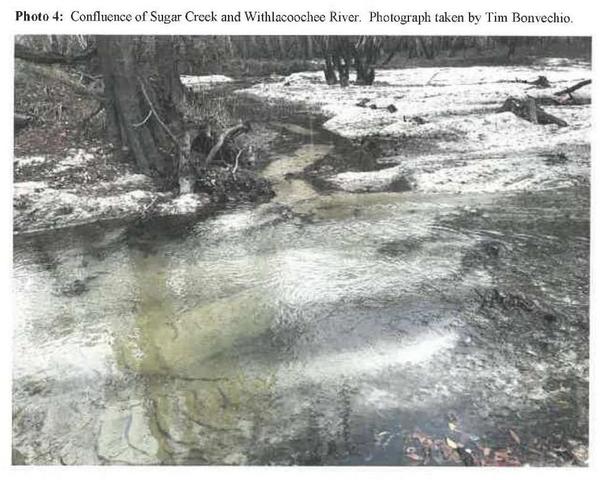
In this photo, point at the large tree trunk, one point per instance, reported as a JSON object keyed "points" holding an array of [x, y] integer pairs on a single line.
{"points": [[144, 108], [366, 54], [330, 75], [308, 52]]}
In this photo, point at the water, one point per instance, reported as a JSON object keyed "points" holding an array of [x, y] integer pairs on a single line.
{"points": [[315, 329]]}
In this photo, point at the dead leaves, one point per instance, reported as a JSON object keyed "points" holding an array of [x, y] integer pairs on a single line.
{"points": [[504, 458], [458, 447]]}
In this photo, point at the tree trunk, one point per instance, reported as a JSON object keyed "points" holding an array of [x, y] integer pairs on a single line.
{"points": [[330, 76], [343, 67], [365, 73], [366, 54], [428, 50], [141, 116], [308, 52]]}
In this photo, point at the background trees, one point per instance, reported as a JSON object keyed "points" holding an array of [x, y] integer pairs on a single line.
{"points": [[150, 117]]}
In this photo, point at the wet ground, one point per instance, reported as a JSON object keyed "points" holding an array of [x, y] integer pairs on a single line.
{"points": [[324, 327]]}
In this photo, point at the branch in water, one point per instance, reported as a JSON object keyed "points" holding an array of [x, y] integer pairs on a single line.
{"points": [[225, 136]]}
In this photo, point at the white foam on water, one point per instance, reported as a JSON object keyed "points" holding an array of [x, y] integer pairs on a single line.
{"points": [[368, 361]]}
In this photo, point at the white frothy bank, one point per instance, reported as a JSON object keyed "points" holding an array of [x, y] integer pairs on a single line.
{"points": [[467, 145], [427, 92], [59, 201], [378, 180], [198, 82]]}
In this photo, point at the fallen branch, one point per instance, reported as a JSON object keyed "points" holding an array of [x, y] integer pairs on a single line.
{"points": [[50, 58], [433, 76], [577, 86], [224, 137], [540, 82]]}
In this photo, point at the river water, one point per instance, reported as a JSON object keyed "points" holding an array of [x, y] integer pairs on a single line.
{"points": [[319, 328]]}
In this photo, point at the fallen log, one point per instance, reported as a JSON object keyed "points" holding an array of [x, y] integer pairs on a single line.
{"points": [[529, 110], [577, 86], [51, 58], [562, 101]]}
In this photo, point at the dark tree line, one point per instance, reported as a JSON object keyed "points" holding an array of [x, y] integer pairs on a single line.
{"points": [[201, 53]]}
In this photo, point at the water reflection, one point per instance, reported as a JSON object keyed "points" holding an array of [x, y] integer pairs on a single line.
{"points": [[315, 329]]}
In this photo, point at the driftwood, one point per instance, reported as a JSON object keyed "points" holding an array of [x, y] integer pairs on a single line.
{"points": [[529, 110], [540, 82], [570, 90]]}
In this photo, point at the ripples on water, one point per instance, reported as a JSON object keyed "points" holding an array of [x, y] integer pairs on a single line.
{"points": [[316, 329], [300, 340]]}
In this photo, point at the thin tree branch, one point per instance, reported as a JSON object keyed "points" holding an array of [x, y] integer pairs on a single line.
{"points": [[237, 159], [158, 119], [143, 122]]}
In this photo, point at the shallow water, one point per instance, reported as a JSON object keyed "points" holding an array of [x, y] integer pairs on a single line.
{"points": [[315, 329]]}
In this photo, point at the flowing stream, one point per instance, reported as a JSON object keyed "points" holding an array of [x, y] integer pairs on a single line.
{"points": [[319, 328]]}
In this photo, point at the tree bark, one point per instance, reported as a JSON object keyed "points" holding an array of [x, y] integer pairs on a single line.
{"points": [[330, 75], [141, 119], [308, 51]]}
